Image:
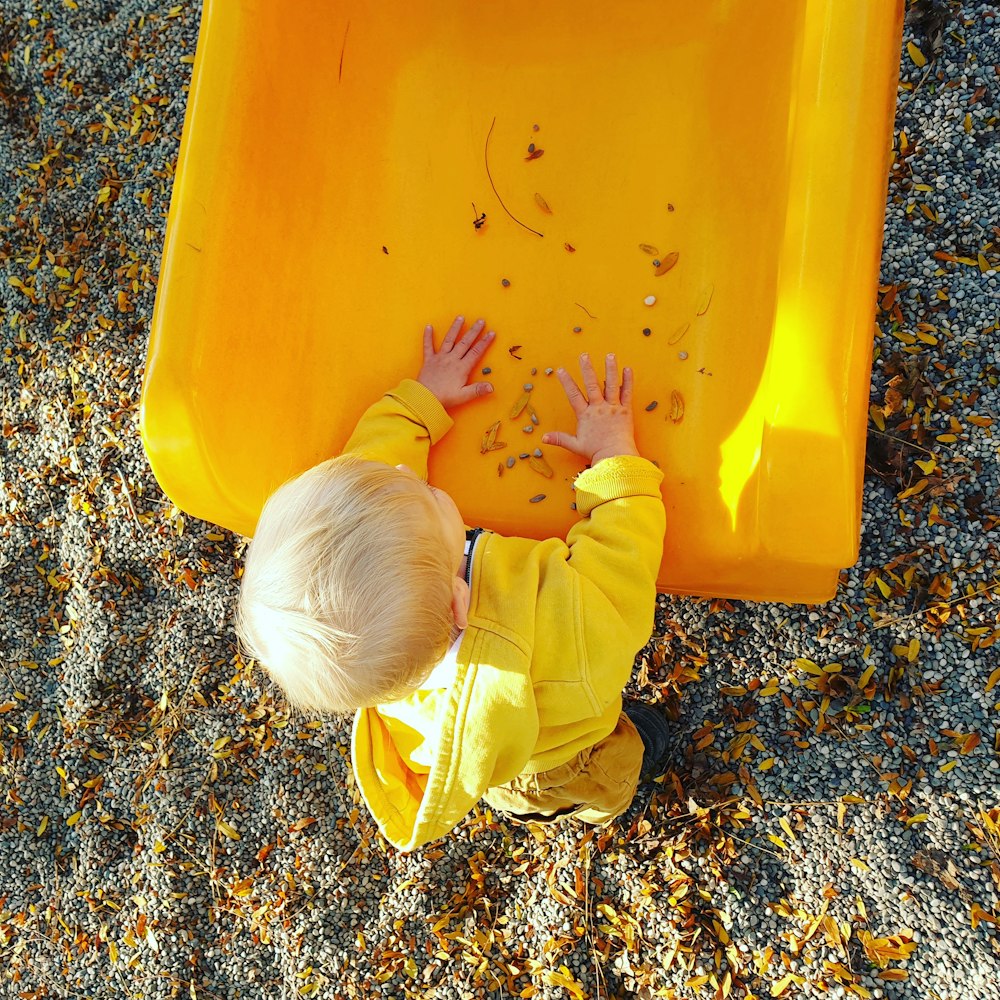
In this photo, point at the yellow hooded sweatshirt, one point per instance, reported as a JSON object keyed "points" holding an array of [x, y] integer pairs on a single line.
{"points": [[553, 631]]}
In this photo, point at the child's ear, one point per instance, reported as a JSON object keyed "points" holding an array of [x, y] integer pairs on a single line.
{"points": [[460, 602]]}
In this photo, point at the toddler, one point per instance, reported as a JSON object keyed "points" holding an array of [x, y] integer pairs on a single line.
{"points": [[476, 665]]}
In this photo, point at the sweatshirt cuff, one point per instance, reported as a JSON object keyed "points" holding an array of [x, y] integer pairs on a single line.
{"points": [[425, 406], [616, 478]]}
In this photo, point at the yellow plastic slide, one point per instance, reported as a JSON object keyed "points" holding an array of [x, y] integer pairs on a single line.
{"points": [[698, 187]]}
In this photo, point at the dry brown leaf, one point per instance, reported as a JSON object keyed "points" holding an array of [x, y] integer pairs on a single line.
{"points": [[893, 399], [667, 263], [676, 407], [541, 466], [489, 438], [940, 865], [520, 404]]}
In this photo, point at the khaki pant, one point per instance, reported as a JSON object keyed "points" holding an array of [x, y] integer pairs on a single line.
{"points": [[594, 787]]}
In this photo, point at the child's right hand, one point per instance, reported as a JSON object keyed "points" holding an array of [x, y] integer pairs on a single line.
{"points": [[603, 419]]}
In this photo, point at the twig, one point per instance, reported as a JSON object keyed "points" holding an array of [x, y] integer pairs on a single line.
{"points": [[878, 770], [991, 840], [756, 847], [902, 441], [938, 604], [497, 193], [340, 68], [128, 498], [599, 976], [913, 93], [815, 802]]}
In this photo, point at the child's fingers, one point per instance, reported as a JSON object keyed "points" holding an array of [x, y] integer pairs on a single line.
{"points": [[474, 391], [589, 378], [468, 340], [453, 332], [428, 341], [478, 349], [561, 440], [627, 382], [611, 384], [576, 398]]}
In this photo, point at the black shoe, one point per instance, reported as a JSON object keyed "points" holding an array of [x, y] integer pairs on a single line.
{"points": [[655, 732]]}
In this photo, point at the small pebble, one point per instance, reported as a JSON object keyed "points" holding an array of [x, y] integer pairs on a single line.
{"points": [[535, 499], [652, 406], [510, 462], [534, 371], [523, 454], [646, 331], [531, 147], [549, 371], [528, 429], [505, 283], [577, 329], [656, 263], [486, 371], [528, 387], [683, 355], [534, 419], [649, 300], [538, 453]]}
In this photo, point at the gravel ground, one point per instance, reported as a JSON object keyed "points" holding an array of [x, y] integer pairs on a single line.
{"points": [[833, 823]]}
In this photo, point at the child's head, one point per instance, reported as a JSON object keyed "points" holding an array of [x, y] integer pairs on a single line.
{"points": [[349, 594]]}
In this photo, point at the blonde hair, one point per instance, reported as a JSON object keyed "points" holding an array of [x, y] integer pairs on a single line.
{"points": [[347, 586]]}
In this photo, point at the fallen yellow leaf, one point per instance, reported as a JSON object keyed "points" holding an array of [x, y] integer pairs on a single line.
{"points": [[919, 59], [230, 831], [809, 667]]}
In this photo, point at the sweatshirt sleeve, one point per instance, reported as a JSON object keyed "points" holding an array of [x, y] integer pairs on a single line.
{"points": [[617, 545], [400, 428]]}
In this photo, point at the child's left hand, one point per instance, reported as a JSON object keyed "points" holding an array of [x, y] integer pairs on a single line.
{"points": [[446, 371]]}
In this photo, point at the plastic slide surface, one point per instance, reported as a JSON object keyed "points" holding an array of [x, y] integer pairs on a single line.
{"points": [[336, 163]]}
